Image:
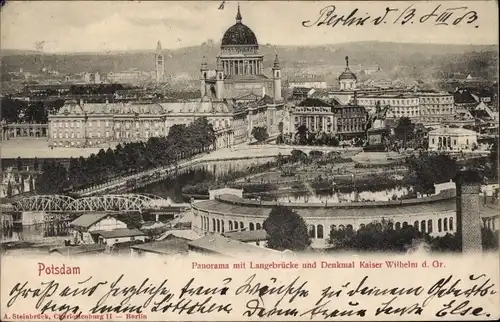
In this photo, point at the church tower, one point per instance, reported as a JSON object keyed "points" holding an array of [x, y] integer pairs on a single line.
{"points": [[277, 79], [203, 77], [220, 80], [159, 64], [347, 80]]}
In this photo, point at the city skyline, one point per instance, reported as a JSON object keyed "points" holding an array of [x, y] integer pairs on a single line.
{"points": [[111, 26]]}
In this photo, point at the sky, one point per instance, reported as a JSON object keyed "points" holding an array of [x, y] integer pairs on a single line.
{"points": [[100, 26]]}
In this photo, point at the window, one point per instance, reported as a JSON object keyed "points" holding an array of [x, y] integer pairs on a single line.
{"points": [[312, 231], [320, 231], [77, 125], [90, 124], [72, 124], [107, 123], [107, 134], [90, 134], [98, 123]]}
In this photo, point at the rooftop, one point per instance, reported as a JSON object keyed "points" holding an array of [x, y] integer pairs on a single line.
{"points": [[229, 247], [117, 233], [87, 220], [452, 131], [164, 247], [247, 235], [79, 250], [181, 233], [313, 102]]}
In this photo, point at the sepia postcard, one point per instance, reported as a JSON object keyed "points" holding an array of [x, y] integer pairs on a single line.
{"points": [[251, 160]]}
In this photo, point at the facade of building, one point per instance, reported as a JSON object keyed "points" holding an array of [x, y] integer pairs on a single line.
{"points": [[452, 139], [351, 120], [435, 107], [422, 107], [307, 82], [83, 125], [129, 77], [86, 226], [436, 215], [319, 116], [316, 115], [120, 235]]}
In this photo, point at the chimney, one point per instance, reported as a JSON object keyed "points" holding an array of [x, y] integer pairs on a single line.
{"points": [[468, 184]]}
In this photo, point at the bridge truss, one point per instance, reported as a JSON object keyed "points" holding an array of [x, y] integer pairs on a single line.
{"points": [[112, 203]]}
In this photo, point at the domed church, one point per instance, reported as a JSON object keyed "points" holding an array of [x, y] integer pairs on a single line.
{"points": [[240, 70]]}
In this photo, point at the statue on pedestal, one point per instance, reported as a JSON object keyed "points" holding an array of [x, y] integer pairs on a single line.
{"points": [[376, 131]]}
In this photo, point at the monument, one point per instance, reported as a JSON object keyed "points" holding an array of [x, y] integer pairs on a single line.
{"points": [[376, 131]]}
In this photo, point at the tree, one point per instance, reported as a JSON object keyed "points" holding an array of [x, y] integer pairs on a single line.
{"points": [[315, 154], [405, 130], [35, 164], [302, 133], [298, 156], [9, 189], [260, 133], [489, 239], [286, 229], [431, 168], [375, 236], [53, 178], [19, 164]]}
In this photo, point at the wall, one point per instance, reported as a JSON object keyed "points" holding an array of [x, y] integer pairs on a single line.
{"points": [[109, 223]]}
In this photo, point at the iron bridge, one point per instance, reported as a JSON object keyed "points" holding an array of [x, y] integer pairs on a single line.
{"points": [[111, 202]]}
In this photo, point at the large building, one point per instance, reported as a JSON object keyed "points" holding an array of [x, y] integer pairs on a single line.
{"points": [[452, 140], [235, 98], [319, 116], [83, 125], [427, 107], [240, 68]]}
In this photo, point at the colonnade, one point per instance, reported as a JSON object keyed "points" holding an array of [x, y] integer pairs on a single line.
{"points": [[218, 225], [242, 66], [491, 223], [319, 229], [23, 130]]}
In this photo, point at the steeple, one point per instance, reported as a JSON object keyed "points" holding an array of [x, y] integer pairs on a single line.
{"points": [[276, 62], [238, 15], [204, 63], [346, 63], [158, 47], [219, 65]]}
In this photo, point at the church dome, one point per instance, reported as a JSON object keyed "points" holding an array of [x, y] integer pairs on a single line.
{"points": [[239, 34], [347, 74]]}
